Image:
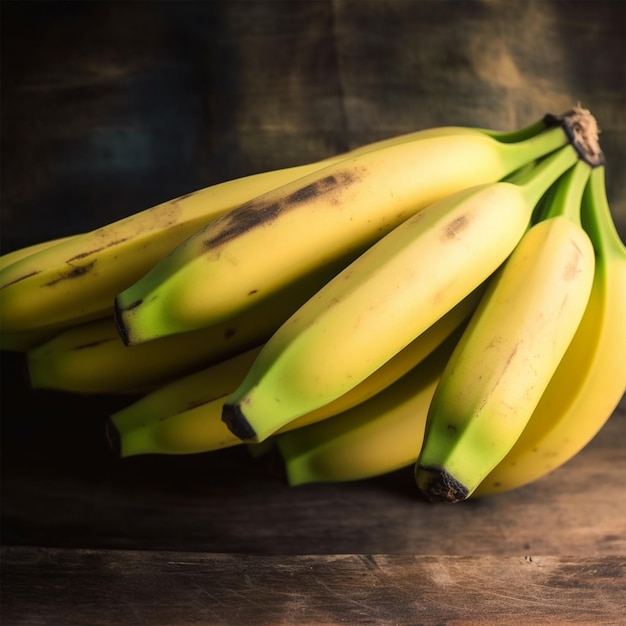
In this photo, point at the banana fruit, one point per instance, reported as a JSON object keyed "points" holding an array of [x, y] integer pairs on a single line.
{"points": [[590, 380], [450, 300], [510, 350], [388, 296], [283, 235]]}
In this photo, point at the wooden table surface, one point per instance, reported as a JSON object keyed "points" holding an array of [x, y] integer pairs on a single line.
{"points": [[110, 107], [221, 539]]}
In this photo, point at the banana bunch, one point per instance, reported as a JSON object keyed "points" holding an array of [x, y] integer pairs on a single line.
{"points": [[450, 299]]}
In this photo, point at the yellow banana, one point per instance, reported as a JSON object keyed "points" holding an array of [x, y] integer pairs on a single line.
{"points": [[378, 436], [590, 380], [184, 416], [509, 351], [281, 236], [388, 296], [82, 275], [21, 341]]}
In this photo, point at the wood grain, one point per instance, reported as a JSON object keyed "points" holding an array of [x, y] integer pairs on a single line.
{"points": [[46, 586]]}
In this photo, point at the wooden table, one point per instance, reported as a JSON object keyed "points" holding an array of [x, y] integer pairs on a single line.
{"points": [[111, 107], [220, 538]]}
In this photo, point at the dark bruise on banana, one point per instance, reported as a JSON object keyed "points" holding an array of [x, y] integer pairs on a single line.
{"points": [[260, 211], [162, 217]]}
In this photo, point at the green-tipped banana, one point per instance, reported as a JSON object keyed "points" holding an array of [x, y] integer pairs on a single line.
{"points": [[591, 378], [388, 296], [83, 273], [184, 417], [281, 236], [376, 437], [509, 350], [92, 358]]}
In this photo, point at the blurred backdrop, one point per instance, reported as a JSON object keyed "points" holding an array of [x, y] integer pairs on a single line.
{"points": [[110, 107]]}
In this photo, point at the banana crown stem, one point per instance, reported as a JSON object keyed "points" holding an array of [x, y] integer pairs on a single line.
{"points": [[539, 179], [597, 219], [567, 193]]}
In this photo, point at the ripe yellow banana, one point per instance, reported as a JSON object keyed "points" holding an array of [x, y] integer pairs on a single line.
{"points": [[281, 236], [378, 436], [21, 341], [388, 296], [83, 273], [509, 351], [591, 379], [184, 416]]}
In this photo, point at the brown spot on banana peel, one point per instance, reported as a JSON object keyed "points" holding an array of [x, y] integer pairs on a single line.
{"points": [[83, 255], [93, 344], [75, 272], [453, 228], [259, 212]]}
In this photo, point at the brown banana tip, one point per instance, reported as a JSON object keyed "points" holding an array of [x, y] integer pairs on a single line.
{"points": [[237, 422], [113, 438], [438, 485]]}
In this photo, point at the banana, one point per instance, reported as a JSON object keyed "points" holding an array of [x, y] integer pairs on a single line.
{"points": [[376, 437], [184, 416], [92, 358], [21, 341], [388, 296], [281, 236], [591, 379], [509, 350], [82, 275]]}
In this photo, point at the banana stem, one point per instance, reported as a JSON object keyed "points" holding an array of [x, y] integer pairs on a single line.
{"points": [[535, 183], [521, 134], [597, 218], [568, 192], [536, 147]]}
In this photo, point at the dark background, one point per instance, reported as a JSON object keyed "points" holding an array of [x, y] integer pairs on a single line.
{"points": [[111, 107], [108, 108]]}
